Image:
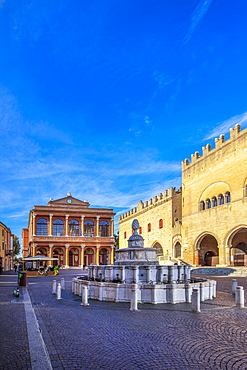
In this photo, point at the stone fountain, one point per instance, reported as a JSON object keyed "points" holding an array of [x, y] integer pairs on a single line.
{"points": [[138, 265]]}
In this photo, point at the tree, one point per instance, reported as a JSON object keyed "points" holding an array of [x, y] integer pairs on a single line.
{"points": [[16, 246], [116, 236]]}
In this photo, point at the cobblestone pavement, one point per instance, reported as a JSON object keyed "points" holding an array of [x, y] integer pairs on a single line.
{"points": [[107, 335]]}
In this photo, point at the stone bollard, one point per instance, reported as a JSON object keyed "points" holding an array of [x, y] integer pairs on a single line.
{"points": [[195, 300], [133, 302], [59, 291], [62, 284], [202, 295], [211, 289], [187, 292], [84, 296], [234, 286], [214, 288], [54, 287], [73, 285], [239, 297]]}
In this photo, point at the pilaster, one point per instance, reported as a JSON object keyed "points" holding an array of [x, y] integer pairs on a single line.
{"points": [[50, 224], [66, 225]]}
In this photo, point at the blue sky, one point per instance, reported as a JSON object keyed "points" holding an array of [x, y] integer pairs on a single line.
{"points": [[106, 98]]}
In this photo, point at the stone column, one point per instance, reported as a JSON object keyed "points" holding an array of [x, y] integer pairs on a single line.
{"points": [[66, 225], [34, 224], [66, 255], [97, 225], [82, 255], [97, 255], [112, 255], [34, 249], [82, 225], [148, 273], [50, 250], [122, 273], [170, 274], [50, 224], [135, 274]]}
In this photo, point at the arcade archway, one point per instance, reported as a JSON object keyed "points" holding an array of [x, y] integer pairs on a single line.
{"points": [[208, 251], [238, 250], [74, 257]]}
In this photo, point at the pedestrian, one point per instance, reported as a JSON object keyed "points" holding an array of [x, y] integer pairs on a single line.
{"points": [[1, 268], [15, 267]]}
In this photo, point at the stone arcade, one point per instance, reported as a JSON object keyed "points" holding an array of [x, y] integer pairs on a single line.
{"points": [[138, 265]]}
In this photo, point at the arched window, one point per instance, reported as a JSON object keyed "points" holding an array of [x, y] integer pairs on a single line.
{"points": [[41, 227], [73, 228], [125, 236], [103, 228], [202, 206], [89, 228], [140, 230], [57, 228], [214, 202], [227, 197], [160, 223], [221, 199], [149, 227], [208, 203], [245, 191]]}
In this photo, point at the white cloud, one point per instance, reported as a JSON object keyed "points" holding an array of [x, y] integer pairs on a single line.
{"points": [[223, 127], [196, 17]]}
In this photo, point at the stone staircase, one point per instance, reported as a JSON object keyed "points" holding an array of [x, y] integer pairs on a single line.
{"points": [[220, 271]]}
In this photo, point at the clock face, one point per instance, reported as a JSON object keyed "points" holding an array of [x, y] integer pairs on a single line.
{"points": [[69, 201]]}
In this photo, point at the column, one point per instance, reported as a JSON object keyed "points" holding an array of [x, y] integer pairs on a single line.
{"points": [[34, 249], [67, 255], [97, 225], [112, 227], [49, 263], [82, 227], [97, 255], [148, 274], [196, 257], [50, 224], [82, 255], [112, 255], [34, 224], [66, 225]]}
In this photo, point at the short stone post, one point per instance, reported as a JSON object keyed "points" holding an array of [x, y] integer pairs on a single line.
{"points": [[134, 295], [234, 286], [187, 292], [202, 295], [239, 297], [211, 289], [214, 288], [84, 296], [54, 287], [195, 300], [59, 291], [62, 284]]}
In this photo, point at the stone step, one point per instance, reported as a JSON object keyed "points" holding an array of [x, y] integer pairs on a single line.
{"points": [[227, 271]]}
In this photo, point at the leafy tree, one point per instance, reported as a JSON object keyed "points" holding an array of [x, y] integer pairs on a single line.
{"points": [[16, 246], [116, 236]]}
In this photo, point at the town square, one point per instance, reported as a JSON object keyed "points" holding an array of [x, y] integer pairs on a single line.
{"points": [[123, 215]]}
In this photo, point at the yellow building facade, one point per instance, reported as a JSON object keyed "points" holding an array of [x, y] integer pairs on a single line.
{"points": [[6, 248], [209, 226], [160, 224]]}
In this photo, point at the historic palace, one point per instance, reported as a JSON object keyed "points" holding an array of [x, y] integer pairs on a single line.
{"points": [[71, 231], [205, 221]]}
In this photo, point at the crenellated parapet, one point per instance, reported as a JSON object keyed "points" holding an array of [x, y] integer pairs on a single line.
{"points": [[152, 202], [219, 144]]}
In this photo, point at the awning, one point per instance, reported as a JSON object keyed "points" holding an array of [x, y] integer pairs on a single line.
{"points": [[39, 258]]}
